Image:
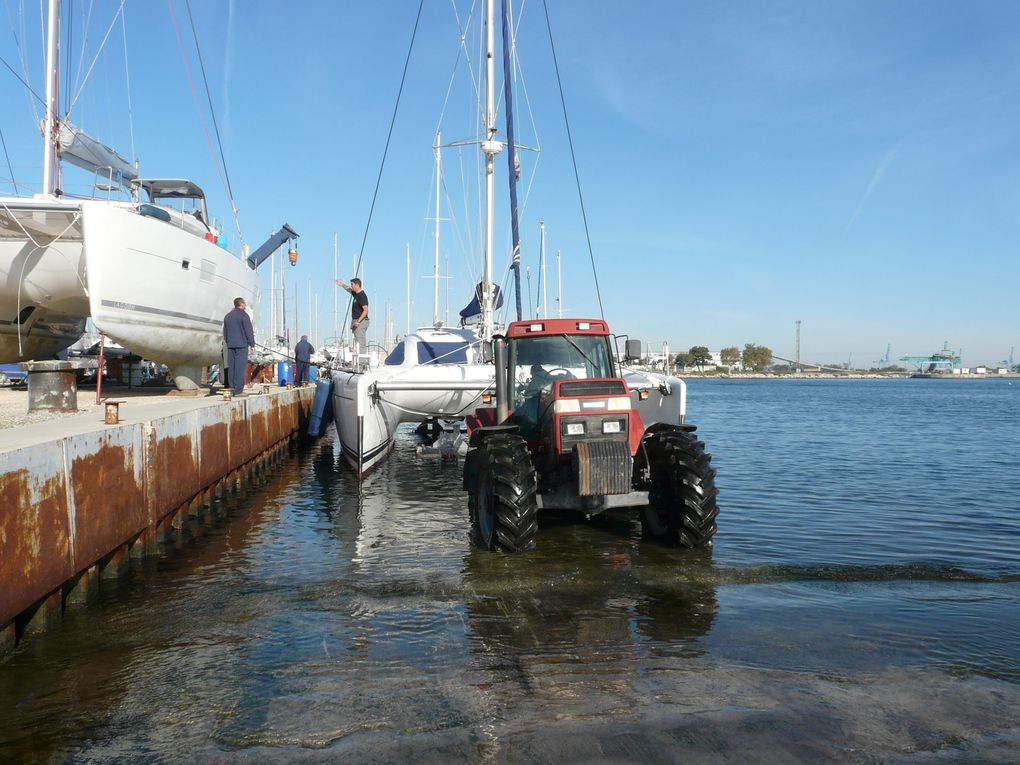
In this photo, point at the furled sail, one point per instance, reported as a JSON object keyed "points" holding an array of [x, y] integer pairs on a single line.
{"points": [[84, 151]]}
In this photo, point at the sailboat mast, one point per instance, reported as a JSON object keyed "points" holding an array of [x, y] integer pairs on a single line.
{"points": [[559, 285], [407, 329], [336, 328], [49, 183], [435, 265], [545, 283], [491, 147]]}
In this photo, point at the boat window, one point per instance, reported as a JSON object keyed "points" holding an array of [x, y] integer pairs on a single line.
{"points": [[396, 357], [442, 353]]}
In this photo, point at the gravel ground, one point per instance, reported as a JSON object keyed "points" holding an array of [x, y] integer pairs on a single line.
{"points": [[14, 408]]}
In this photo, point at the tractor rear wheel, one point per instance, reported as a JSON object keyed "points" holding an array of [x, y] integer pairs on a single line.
{"points": [[681, 505], [502, 499]]}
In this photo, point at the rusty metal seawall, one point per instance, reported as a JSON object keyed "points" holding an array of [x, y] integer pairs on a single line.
{"points": [[74, 509]]}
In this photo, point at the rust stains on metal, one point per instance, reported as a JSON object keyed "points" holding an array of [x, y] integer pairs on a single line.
{"points": [[173, 472], [109, 500], [240, 436], [214, 460], [34, 538]]}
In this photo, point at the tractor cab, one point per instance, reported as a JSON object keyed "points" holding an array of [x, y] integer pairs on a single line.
{"points": [[555, 359]]}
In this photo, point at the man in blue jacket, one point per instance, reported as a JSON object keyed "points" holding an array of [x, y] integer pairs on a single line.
{"points": [[238, 336], [302, 357]]}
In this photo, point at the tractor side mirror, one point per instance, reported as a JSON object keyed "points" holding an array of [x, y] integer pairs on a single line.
{"points": [[632, 350], [487, 352]]}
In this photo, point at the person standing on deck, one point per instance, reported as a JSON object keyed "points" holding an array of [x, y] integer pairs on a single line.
{"points": [[238, 336], [359, 316], [302, 358]]}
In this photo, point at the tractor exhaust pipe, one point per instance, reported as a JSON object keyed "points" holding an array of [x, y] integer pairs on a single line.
{"points": [[502, 386]]}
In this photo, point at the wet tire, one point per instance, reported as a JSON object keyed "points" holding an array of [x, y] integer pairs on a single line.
{"points": [[502, 501], [682, 495]]}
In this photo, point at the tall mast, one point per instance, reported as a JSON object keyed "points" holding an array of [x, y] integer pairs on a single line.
{"points": [[435, 266], [336, 328], [545, 283], [559, 285], [407, 329], [490, 147], [52, 98]]}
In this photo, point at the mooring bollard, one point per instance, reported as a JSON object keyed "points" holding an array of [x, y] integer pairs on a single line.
{"points": [[53, 385], [112, 412], [265, 387], [228, 394]]}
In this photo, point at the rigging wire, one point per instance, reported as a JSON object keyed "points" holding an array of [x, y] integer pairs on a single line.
{"points": [[8, 157], [194, 95], [21, 48], [22, 81], [127, 77], [573, 159], [212, 113], [386, 149], [95, 59]]}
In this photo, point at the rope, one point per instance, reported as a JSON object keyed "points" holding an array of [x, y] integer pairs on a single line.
{"points": [[573, 159], [22, 81], [194, 92], [382, 164], [9, 165], [88, 73], [212, 113], [127, 77]]}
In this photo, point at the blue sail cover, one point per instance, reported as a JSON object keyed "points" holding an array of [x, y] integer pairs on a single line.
{"points": [[474, 308]]}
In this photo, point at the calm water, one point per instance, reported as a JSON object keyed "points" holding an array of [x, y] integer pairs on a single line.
{"points": [[861, 604]]}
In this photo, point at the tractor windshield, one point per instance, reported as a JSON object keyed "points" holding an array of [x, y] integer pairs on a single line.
{"points": [[537, 362]]}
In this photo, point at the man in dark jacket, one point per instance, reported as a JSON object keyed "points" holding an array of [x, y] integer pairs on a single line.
{"points": [[238, 336], [302, 357]]}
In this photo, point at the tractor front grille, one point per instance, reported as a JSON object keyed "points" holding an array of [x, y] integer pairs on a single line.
{"points": [[603, 467], [593, 388]]}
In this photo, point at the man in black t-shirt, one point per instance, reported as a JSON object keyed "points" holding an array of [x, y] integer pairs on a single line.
{"points": [[359, 317]]}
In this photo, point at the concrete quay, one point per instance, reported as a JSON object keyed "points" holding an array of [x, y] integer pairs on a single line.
{"points": [[79, 498]]}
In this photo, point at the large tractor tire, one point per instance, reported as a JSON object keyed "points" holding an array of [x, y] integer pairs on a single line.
{"points": [[681, 505], [502, 497]]}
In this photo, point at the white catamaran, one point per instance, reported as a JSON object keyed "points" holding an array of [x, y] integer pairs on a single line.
{"points": [[436, 373], [150, 271]]}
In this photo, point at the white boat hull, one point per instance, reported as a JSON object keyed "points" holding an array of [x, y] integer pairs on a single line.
{"points": [[158, 289], [43, 299], [368, 407], [155, 287]]}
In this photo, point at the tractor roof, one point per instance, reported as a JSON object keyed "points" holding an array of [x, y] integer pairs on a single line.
{"points": [[540, 327]]}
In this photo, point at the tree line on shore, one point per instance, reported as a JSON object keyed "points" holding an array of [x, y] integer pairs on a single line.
{"points": [[756, 358]]}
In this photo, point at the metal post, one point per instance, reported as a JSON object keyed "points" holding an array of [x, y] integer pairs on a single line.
{"points": [[52, 98], [502, 388], [99, 372], [798, 344]]}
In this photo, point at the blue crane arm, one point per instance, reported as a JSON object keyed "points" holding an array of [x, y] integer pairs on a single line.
{"points": [[285, 234]]}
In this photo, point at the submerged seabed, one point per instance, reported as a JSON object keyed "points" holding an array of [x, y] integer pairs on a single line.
{"points": [[859, 606]]}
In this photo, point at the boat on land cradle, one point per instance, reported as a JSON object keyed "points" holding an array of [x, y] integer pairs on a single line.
{"points": [[150, 271]]}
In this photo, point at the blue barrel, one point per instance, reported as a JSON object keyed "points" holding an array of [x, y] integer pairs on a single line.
{"points": [[322, 408], [313, 373], [285, 372]]}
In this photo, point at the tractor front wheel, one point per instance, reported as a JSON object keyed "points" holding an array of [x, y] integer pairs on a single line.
{"points": [[682, 495], [502, 497]]}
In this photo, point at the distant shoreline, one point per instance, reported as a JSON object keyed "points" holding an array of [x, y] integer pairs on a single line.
{"points": [[836, 376]]}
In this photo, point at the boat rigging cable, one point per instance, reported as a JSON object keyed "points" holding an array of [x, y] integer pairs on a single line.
{"points": [[95, 59], [570, 141], [212, 113], [198, 108], [386, 149], [9, 166]]}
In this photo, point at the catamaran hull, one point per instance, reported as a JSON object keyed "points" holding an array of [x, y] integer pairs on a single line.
{"points": [[43, 300], [158, 289], [368, 407]]}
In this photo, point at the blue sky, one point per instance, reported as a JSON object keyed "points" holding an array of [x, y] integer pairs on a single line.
{"points": [[853, 165]]}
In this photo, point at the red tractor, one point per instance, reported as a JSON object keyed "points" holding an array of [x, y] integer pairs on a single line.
{"points": [[570, 432]]}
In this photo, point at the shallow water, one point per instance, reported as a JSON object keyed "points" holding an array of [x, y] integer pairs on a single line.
{"points": [[860, 605]]}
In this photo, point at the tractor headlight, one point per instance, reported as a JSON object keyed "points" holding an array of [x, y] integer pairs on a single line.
{"points": [[612, 426], [573, 428]]}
